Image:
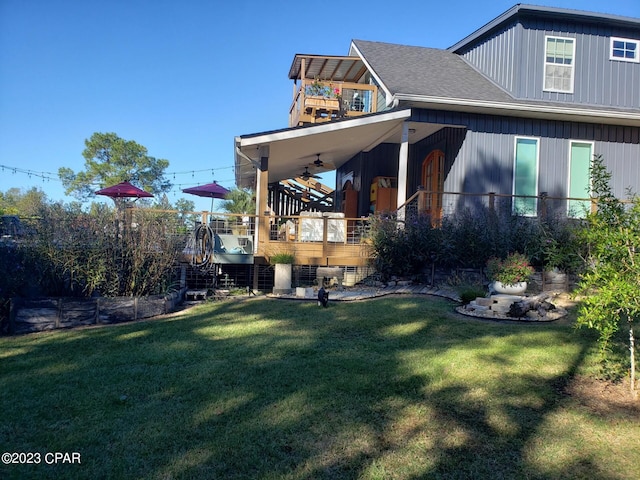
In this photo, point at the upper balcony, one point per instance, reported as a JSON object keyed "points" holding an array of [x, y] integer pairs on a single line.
{"points": [[328, 87]]}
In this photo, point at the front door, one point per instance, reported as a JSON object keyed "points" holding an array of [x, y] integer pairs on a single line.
{"points": [[433, 182]]}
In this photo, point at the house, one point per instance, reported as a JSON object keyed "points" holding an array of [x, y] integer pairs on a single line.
{"points": [[515, 111]]}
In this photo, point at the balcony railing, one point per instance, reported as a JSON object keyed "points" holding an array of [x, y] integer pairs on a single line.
{"points": [[323, 101]]}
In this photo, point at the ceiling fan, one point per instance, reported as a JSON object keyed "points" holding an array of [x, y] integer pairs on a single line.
{"points": [[318, 162], [306, 175]]}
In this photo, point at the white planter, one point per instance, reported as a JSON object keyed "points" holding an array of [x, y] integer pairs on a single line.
{"points": [[515, 289], [282, 279]]}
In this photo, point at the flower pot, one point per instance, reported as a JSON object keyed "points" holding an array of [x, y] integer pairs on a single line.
{"points": [[322, 102], [554, 280], [515, 289]]}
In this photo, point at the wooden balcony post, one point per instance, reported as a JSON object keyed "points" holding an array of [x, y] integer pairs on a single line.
{"points": [[262, 192], [492, 201]]}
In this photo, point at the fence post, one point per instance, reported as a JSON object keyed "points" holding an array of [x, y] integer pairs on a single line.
{"points": [[543, 205], [492, 201], [13, 312], [422, 200], [59, 314]]}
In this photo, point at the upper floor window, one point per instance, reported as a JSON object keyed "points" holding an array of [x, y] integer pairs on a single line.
{"points": [[559, 64], [625, 49]]}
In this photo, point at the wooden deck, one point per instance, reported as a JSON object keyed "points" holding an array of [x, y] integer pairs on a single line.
{"points": [[319, 253]]}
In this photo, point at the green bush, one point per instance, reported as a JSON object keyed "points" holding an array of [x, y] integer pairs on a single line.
{"points": [[469, 238], [406, 250], [471, 292]]}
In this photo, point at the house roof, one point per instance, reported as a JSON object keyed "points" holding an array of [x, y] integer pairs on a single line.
{"points": [[430, 78], [542, 12], [291, 149], [427, 71]]}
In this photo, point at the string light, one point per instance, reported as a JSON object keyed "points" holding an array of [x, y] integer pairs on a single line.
{"points": [[31, 173], [176, 188]]}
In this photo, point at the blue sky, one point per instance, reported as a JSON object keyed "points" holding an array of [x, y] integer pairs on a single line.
{"points": [[184, 77]]}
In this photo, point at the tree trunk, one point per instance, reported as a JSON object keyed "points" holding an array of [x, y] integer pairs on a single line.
{"points": [[632, 357]]}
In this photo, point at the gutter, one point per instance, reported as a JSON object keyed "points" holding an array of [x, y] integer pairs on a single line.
{"points": [[546, 111]]}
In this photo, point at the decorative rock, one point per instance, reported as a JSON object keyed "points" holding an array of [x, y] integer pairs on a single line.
{"points": [[500, 308], [477, 308], [483, 301]]}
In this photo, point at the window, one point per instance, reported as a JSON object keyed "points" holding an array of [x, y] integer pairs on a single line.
{"points": [[580, 155], [525, 176], [559, 64], [625, 50]]}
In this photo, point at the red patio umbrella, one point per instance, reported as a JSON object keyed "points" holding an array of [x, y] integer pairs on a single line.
{"points": [[123, 190], [210, 190]]}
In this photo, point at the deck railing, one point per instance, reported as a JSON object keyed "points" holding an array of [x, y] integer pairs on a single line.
{"points": [[331, 100], [330, 239]]}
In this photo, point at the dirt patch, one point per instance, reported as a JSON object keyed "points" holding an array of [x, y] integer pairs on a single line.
{"points": [[604, 398]]}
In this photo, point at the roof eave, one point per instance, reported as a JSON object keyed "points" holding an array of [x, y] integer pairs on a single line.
{"points": [[557, 112]]}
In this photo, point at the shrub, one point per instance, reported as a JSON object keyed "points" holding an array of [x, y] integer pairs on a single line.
{"points": [[471, 292], [406, 250]]}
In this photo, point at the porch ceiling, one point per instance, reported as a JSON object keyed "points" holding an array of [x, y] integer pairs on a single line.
{"points": [[339, 69], [291, 150]]}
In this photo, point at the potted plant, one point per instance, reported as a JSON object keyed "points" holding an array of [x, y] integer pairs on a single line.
{"points": [[318, 94], [509, 275], [282, 262]]}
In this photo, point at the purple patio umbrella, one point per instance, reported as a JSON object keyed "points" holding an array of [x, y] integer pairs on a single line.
{"points": [[123, 190], [210, 190]]}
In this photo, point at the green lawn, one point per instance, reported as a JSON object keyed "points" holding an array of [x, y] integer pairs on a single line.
{"points": [[393, 388]]}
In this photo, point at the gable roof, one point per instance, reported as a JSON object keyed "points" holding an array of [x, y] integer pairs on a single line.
{"points": [[521, 10], [426, 71]]}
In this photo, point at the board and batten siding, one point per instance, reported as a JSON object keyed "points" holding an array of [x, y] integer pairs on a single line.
{"points": [[479, 159], [514, 58], [496, 58]]}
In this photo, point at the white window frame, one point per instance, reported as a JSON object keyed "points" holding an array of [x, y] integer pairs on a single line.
{"points": [[570, 214], [537, 176], [572, 66], [636, 59]]}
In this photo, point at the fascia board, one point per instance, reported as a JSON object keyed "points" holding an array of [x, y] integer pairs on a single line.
{"points": [[513, 109], [263, 139]]}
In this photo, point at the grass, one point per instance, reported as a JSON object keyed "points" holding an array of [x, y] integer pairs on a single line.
{"points": [[394, 388]]}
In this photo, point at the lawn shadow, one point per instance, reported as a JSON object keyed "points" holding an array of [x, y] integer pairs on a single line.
{"points": [[279, 389]]}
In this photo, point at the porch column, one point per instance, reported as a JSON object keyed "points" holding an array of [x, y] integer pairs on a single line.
{"points": [[403, 160], [262, 193]]}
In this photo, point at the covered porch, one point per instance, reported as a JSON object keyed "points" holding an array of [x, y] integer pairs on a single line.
{"points": [[275, 158]]}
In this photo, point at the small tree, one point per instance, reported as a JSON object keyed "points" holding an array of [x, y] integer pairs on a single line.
{"points": [[610, 282]]}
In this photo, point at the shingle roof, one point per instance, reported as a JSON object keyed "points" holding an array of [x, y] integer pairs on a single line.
{"points": [[428, 72], [433, 73]]}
